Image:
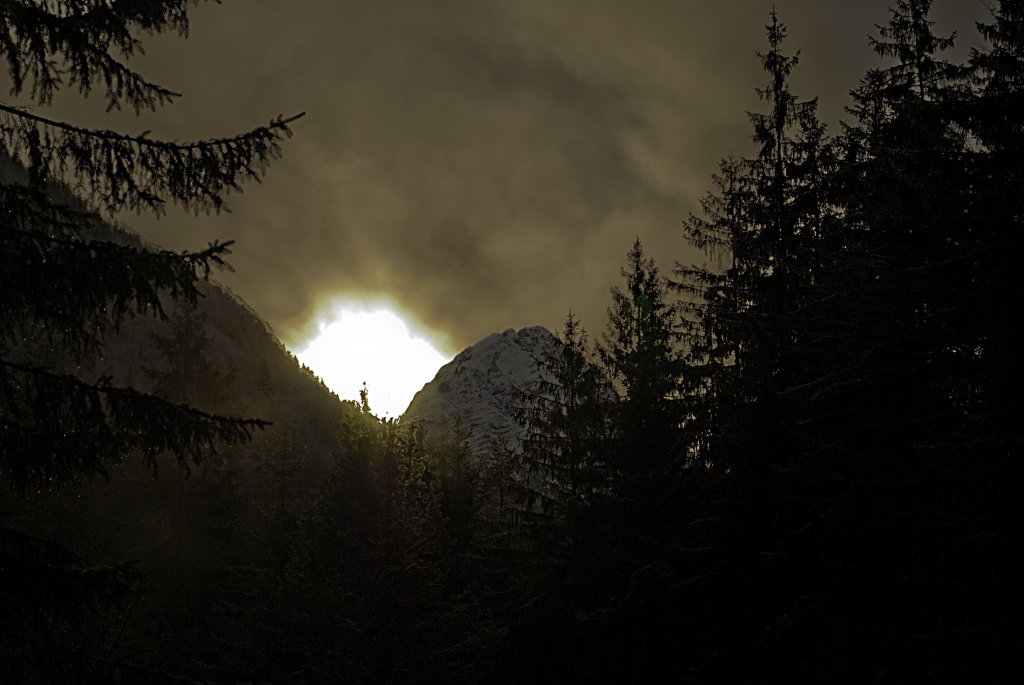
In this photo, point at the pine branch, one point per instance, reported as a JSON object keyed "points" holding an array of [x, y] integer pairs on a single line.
{"points": [[121, 172], [57, 426], [44, 41], [81, 288]]}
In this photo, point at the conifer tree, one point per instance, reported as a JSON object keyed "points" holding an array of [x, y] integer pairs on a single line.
{"points": [[900, 346], [999, 72], [767, 223], [639, 354], [566, 427], [378, 545], [908, 247], [189, 377], [766, 220], [996, 118], [909, 39], [63, 288]]}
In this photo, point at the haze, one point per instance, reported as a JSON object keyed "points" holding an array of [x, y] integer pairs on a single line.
{"points": [[482, 164]]}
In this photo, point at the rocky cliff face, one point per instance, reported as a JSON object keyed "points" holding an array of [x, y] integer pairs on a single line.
{"points": [[480, 384]]}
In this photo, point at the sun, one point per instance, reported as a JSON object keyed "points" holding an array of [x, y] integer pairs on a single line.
{"points": [[375, 348]]}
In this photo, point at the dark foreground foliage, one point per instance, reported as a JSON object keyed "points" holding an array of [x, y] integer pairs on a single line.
{"points": [[797, 464]]}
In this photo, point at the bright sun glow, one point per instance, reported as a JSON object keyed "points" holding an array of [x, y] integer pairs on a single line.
{"points": [[375, 348]]}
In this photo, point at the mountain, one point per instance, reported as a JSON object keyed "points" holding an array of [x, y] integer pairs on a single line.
{"points": [[262, 378], [480, 384]]}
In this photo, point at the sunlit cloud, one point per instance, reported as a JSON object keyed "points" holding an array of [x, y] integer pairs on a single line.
{"points": [[353, 347]]}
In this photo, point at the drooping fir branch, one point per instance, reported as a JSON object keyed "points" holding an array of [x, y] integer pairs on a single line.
{"points": [[119, 172], [996, 115], [1001, 67], [726, 210], [57, 427], [60, 285], [86, 288], [71, 289], [45, 40]]}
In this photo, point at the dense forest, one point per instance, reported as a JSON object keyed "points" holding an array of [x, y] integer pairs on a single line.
{"points": [[796, 461]]}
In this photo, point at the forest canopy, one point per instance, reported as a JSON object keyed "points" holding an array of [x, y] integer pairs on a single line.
{"points": [[796, 461]]}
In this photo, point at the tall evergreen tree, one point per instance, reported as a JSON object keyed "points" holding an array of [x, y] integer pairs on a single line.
{"points": [[63, 288], [999, 72], [884, 343], [379, 543], [908, 38], [905, 192], [996, 119], [566, 426], [766, 219], [639, 354]]}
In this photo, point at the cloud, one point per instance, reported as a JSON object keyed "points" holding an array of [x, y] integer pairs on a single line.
{"points": [[483, 164]]}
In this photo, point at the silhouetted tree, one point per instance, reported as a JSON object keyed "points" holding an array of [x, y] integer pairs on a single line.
{"points": [[765, 220], [996, 118], [189, 376], [639, 353], [893, 301], [452, 463], [62, 287], [564, 448], [377, 555], [837, 365], [57, 425]]}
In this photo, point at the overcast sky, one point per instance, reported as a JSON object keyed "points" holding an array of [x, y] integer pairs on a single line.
{"points": [[483, 164]]}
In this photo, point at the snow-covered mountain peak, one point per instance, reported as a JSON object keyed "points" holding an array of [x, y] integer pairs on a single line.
{"points": [[480, 383]]}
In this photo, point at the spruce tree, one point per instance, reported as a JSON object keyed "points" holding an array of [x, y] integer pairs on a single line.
{"points": [[64, 288], [566, 426], [898, 321], [908, 38], [887, 337], [764, 225], [999, 73], [639, 354], [378, 552], [903, 398], [65, 284], [996, 118], [766, 228]]}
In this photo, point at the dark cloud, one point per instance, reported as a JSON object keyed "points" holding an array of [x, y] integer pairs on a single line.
{"points": [[482, 164]]}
